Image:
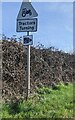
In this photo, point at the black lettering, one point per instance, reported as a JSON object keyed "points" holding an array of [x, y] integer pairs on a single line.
{"points": [[20, 23]]}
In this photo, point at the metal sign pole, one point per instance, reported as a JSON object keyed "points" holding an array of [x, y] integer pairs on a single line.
{"points": [[28, 69], [25, 22]]}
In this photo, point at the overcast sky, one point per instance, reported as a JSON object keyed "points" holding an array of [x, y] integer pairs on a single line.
{"points": [[55, 23]]}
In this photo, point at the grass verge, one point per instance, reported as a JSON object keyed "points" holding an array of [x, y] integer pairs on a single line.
{"points": [[45, 103]]}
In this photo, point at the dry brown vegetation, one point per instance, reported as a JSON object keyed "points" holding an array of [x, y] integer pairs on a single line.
{"points": [[48, 67]]}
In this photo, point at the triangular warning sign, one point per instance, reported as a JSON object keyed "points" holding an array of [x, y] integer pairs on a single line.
{"points": [[26, 11]]}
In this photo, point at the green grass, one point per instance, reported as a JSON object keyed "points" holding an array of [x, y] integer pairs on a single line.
{"points": [[46, 103]]}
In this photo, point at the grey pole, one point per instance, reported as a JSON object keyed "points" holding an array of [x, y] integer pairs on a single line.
{"points": [[28, 69]]}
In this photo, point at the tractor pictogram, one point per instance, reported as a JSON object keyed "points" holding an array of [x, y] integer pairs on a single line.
{"points": [[25, 12]]}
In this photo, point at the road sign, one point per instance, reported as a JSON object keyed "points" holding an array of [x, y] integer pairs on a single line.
{"points": [[27, 25], [26, 11], [28, 40]]}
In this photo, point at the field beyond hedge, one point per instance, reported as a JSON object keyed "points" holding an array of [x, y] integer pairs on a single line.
{"points": [[47, 102]]}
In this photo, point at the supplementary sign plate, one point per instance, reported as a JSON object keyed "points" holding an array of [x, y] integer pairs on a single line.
{"points": [[27, 25], [28, 40]]}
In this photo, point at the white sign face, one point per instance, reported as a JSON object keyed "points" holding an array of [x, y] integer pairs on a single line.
{"points": [[27, 11], [27, 25], [28, 40]]}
